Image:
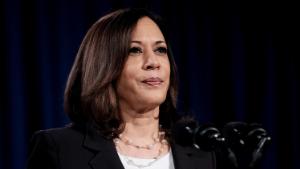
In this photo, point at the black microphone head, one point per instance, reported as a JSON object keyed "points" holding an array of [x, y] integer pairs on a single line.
{"points": [[183, 131], [255, 134], [234, 133], [256, 139], [208, 137]]}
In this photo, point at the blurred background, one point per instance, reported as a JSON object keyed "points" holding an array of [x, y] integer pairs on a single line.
{"points": [[237, 62]]}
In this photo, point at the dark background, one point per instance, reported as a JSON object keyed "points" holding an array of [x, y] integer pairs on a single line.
{"points": [[237, 62]]}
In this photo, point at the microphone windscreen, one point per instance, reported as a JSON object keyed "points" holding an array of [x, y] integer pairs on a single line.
{"points": [[235, 132], [182, 131]]}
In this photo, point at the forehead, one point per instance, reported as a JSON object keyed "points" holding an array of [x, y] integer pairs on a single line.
{"points": [[147, 28]]}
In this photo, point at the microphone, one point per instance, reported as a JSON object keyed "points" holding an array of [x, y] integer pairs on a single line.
{"points": [[187, 132], [241, 143], [207, 137], [235, 133], [257, 139], [183, 131]]}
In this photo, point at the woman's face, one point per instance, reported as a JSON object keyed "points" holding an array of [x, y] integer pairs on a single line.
{"points": [[145, 78]]}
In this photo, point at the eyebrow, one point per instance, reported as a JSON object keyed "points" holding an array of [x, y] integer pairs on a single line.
{"points": [[156, 42]]}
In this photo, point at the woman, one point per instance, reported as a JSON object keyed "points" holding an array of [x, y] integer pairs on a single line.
{"points": [[121, 96]]}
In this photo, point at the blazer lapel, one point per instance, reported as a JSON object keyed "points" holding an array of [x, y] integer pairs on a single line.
{"points": [[106, 160], [106, 156]]}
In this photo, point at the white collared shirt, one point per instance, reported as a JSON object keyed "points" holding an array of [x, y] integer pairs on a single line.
{"points": [[164, 162]]}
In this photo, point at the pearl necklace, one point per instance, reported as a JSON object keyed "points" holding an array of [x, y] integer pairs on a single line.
{"points": [[129, 142], [160, 139], [141, 166]]}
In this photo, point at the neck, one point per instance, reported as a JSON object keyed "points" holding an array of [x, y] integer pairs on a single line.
{"points": [[140, 125], [141, 128]]}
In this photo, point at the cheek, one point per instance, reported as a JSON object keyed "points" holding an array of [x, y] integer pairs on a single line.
{"points": [[128, 76], [126, 81], [131, 68], [168, 69]]}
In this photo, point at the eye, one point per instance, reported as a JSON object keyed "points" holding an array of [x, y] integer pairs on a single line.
{"points": [[161, 50], [135, 51]]}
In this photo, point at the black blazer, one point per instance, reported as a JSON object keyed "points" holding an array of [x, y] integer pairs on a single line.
{"points": [[81, 147]]}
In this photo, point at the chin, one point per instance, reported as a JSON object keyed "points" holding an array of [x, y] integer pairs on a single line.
{"points": [[155, 100]]}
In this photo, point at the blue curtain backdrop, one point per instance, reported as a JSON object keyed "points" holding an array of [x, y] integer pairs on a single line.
{"points": [[237, 62]]}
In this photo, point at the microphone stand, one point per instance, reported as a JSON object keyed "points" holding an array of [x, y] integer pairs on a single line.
{"points": [[247, 143], [234, 133], [209, 138]]}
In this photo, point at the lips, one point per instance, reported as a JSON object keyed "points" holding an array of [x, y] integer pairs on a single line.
{"points": [[153, 81]]}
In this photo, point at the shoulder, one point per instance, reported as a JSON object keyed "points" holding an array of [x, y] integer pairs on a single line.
{"points": [[60, 140], [68, 132], [58, 148], [44, 149]]}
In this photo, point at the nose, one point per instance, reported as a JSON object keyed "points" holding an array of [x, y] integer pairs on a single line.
{"points": [[151, 61]]}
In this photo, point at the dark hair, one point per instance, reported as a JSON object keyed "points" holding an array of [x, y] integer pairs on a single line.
{"points": [[90, 92]]}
